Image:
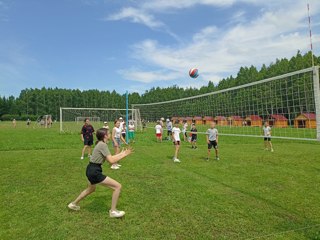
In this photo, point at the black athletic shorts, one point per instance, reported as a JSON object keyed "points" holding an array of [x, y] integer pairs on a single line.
{"points": [[213, 144], [94, 173], [176, 143], [88, 141], [169, 132], [193, 138], [267, 139]]}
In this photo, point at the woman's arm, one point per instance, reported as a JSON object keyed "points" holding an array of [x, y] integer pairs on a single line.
{"points": [[123, 140], [115, 158]]}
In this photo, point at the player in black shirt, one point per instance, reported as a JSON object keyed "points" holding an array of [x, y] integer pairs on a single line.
{"points": [[194, 135]]}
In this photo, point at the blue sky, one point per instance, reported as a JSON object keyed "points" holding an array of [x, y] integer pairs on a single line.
{"points": [[135, 45]]}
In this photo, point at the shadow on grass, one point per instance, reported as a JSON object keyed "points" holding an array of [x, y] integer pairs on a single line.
{"points": [[97, 203]]}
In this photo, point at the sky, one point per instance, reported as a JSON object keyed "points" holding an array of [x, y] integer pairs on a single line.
{"points": [[135, 45]]}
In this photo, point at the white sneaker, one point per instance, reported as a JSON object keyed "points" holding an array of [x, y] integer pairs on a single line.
{"points": [[272, 150], [116, 213], [118, 165], [82, 158], [176, 160], [74, 206], [114, 166]]}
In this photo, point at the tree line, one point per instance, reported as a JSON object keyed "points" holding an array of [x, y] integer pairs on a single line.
{"points": [[34, 102]]}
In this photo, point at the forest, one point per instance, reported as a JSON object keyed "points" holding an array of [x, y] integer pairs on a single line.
{"points": [[34, 102]]}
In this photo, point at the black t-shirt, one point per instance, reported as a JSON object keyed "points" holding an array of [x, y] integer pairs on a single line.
{"points": [[87, 131], [193, 130]]}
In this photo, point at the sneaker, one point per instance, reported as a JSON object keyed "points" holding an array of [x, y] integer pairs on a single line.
{"points": [[116, 213], [195, 147], [272, 150], [176, 160], [82, 158], [74, 206], [217, 158], [207, 159], [114, 166], [118, 165], [192, 147]]}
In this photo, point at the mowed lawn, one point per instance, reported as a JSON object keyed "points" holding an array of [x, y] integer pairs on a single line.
{"points": [[249, 194]]}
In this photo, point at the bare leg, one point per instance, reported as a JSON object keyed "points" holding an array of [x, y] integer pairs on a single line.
{"points": [[217, 151], [109, 182], [176, 151], [84, 150], [270, 144], [89, 150], [90, 189]]}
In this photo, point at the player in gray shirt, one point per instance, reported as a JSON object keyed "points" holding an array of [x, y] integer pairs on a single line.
{"points": [[212, 139], [95, 176]]}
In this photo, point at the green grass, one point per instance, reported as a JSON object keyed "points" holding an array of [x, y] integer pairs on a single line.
{"points": [[248, 194]]}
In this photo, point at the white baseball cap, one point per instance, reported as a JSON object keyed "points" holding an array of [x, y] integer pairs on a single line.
{"points": [[120, 118], [105, 122]]}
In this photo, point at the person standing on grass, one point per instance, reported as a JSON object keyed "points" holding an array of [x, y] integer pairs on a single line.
{"points": [[169, 129], [87, 137], [193, 136], [158, 129], [176, 140], [267, 137], [184, 131], [144, 125], [161, 124], [106, 126], [116, 141], [95, 176], [131, 131], [123, 130], [212, 140], [28, 122], [121, 123]]}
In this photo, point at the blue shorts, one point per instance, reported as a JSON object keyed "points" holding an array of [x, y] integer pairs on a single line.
{"points": [[118, 142]]}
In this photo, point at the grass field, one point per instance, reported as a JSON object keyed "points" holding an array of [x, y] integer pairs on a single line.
{"points": [[248, 194]]}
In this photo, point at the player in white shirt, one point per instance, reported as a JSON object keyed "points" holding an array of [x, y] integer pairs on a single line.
{"points": [[267, 137], [176, 140], [121, 123], [131, 131], [116, 141], [184, 131], [158, 129]]}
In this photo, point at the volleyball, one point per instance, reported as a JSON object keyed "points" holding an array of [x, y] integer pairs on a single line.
{"points": [[194, 73]]}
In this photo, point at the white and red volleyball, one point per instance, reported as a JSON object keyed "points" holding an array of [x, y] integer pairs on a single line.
{"points": [[194, 72]]}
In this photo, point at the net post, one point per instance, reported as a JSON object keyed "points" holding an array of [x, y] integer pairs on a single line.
{"points": [[316, 89], [127, 117], [60, 119]]}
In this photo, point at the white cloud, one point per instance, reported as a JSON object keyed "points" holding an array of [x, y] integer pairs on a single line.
{"points": [[137, 16], [276, 33], [148, 76]]}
